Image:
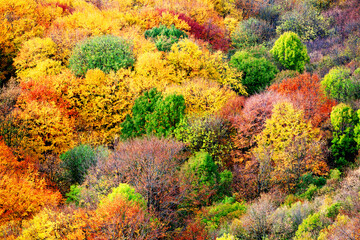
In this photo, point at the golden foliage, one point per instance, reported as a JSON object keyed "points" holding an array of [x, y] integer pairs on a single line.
{"points": [[201, 96], [22, 191], [47, 129], [36, 58], [102, 102]]}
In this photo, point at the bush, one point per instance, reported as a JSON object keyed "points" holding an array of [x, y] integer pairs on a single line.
{"points": [[251, 32], [312, 189], [290, 52], [77, 161], [164, 37], [107, 53], [74, 195], [258, 72], [308, 179], [333, 210]]}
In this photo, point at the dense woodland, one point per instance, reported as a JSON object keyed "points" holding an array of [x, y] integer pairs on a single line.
{"points": [[180, 119]]}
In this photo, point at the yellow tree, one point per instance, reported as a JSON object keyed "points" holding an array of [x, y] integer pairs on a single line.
{"points": [[102, 102], [37, 57], [202, 97], [21, 20], [153, 71], [293, 145], [47, 130]]}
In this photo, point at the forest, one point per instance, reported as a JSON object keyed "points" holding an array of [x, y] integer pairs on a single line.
{"points": [[180, 119]]}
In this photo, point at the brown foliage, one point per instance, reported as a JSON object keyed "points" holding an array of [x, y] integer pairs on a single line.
{"points": [[150, 165]]}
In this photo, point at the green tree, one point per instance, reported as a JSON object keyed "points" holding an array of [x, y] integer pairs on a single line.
{"points": [[251, 32], [166, 116], [289, 51], [165, 37], [210, 134], [77, 161], [257, 71], [151, 114], [203, 181], [306, 21], [343, 120], [339, 84], [107, 53]]}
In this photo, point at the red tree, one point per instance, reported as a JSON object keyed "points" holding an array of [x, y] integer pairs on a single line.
{"points": [[305, 92]]}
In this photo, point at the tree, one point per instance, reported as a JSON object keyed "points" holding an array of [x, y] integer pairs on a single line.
{"points": [[250, 122], [150, 165], [38, 57], [76, 162], [257, 72], [251, 32], [210, 134], [47, 130], [339, 85], [202, 182], [165, 37], [119, 216], [306, 94], [107, 53], [152, 70], [343, 119], [304, 20], [290, 52], [20, 21], [23, 192], [91, 97], [294, 145], [151, 114], [202, 97]]}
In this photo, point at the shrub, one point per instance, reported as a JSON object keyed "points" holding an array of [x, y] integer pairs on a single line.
{"points": [[335, 174], [77, 161], [258, 72], [290, 52], [333, 210], [164, 37], [312, 189], [308, 179], [107, 53], [74, 195], [251, 32]]}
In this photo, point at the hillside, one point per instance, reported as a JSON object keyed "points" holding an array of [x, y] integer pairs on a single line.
{"points": [[179, 119]]}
